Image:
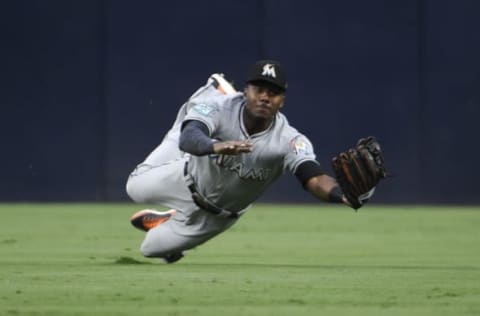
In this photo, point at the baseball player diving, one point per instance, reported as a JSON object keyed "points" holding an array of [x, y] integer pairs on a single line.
{"points": [[223, 151]]}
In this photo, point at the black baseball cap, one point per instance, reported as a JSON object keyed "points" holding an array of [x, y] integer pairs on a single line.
{"points": [[268, 71]]}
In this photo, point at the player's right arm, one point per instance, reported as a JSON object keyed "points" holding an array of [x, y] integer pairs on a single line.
{"points": [[195, 140]]}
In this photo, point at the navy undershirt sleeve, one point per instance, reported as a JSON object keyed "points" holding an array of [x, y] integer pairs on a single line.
{"points": [[307, 170], [194, 138]]}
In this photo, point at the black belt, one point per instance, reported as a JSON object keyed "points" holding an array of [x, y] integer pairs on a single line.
{"points": [[202, 202]]}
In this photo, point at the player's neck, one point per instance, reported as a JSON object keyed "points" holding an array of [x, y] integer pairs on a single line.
{"points": [[255, 125]]}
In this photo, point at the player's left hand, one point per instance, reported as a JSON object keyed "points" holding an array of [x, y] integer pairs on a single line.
{"points": [[232, 147]]}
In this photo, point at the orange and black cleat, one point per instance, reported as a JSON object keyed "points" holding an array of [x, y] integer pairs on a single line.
{"points": [[148, 219]]}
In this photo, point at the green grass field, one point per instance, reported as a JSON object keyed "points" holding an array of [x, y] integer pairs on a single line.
{"points": [[83, 259]]}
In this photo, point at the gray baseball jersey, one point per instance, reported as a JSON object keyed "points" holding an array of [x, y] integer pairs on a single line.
{"points": [[231, 182], [234, 182]]}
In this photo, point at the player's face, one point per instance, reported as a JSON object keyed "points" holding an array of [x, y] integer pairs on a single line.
{"points": [[263, 100]]}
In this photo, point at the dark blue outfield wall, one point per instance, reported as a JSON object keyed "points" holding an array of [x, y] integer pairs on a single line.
{"points": [[88, 88]]}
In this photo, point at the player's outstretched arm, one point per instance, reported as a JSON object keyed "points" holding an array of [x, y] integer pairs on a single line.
{"points": [[326, 188], [321, 185], [195, 140]]}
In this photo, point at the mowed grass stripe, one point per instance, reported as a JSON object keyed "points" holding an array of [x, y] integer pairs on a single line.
{"points": [[83, 259]]}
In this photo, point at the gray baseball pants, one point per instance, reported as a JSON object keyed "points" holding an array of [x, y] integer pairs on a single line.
{"points": [[160, 180]]}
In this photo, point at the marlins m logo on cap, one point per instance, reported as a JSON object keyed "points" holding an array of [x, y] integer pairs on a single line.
{"points": [[269, 70]]}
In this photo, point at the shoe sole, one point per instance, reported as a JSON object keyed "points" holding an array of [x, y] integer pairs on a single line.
{"points": [[140, 225], [174, 257]]}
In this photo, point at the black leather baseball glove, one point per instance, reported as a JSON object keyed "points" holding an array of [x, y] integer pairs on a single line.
{"points": [[359, 170]]}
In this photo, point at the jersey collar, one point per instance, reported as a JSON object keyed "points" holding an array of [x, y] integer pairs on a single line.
{"points": [[244, 129]]}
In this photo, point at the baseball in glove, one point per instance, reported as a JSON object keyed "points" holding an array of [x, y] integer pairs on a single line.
{"points": [[359, 170]]}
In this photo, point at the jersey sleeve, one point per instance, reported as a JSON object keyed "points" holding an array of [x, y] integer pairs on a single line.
{"points": [[207, 113], [300, 150]]}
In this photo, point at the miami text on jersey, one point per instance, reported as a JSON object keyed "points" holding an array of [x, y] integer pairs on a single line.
{"points": [[243, 171]]}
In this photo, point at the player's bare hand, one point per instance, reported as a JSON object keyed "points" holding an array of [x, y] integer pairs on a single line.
{"points": [[232, 147]]}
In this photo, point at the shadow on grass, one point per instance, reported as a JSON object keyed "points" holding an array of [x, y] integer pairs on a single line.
{"points": [[128, 260]]}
